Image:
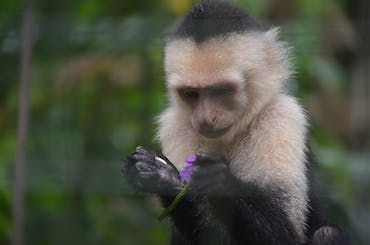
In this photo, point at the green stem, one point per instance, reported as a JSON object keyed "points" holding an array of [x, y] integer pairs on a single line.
{"points": [[174, 203]]}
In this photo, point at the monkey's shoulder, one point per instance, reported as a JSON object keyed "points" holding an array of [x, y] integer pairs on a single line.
{"points": [[276, 139], [282, 114]]}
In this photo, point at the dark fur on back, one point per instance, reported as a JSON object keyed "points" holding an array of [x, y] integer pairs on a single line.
{"points": [[214, 18]]}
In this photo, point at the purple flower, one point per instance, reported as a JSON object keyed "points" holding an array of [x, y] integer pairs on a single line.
{"points": [[185, 173]]}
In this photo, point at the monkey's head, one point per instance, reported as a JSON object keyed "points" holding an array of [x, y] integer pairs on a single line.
{"points": [[222, 67]]}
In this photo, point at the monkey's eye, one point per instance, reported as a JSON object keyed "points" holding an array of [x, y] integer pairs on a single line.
{"points": [[221, 91], [192, 94], [189, 94]]}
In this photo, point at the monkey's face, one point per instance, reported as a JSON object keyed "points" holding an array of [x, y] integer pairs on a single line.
{"points": [[223, 80], [212, 108], [208, 82]]}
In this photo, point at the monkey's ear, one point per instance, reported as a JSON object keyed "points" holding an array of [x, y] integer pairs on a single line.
{"points": [[273, 33], [279, 58]]}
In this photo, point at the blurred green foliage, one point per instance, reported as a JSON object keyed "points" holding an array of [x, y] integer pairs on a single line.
{"points": [[97, 85]]}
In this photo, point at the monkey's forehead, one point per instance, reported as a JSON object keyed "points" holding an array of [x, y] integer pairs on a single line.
{"points": [[222, 57]]}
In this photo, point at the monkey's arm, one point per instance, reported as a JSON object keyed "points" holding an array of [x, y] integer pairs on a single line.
{"points": [[147, 173], [249, 213], [252, 213]]}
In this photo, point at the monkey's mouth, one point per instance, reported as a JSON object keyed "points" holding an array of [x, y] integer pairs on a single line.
{"points": [[213, 133]]}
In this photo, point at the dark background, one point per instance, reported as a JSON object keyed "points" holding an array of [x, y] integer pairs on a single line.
{"points": [[97, 84]]}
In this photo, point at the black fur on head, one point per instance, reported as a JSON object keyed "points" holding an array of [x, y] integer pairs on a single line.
{"points": [[209, 19]]}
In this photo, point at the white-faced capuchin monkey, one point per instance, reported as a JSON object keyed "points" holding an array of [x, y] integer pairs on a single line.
{"points": [[251, 181]]}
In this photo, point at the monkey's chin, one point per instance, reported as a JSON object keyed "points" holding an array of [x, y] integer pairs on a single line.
{"points": [[213, 134]]}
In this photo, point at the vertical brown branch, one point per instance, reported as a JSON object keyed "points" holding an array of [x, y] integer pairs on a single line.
{"points": [[22, 125], [359, 99]]}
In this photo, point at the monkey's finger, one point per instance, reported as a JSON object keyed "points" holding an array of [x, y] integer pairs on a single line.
{"points": [[144, 167], [142, 150], [151, 156], [136, 157], [164, 161], [204, 158], [130, 173]]}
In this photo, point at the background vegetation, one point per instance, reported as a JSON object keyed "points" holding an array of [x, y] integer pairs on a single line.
{"points": [[98, 82]]}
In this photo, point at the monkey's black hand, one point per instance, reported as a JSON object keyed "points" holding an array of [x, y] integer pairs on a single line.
{"points": [[151, 173], [210, 176]]}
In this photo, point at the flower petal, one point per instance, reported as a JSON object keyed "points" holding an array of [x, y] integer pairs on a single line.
{"points": [[191, 160]]}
